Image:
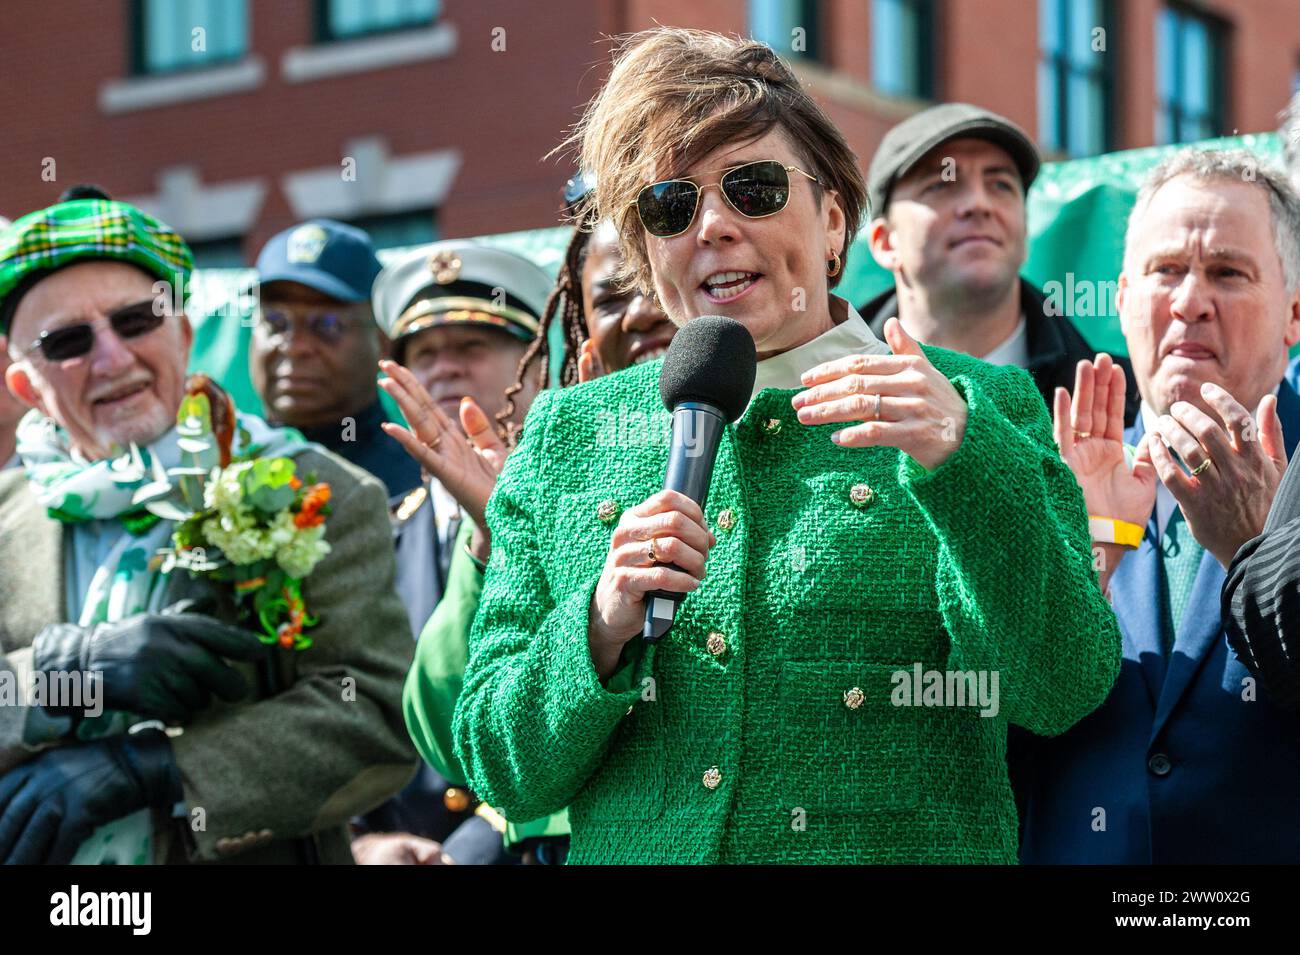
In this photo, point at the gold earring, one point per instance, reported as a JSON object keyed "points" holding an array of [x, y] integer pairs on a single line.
{"points": [[834, 268]]}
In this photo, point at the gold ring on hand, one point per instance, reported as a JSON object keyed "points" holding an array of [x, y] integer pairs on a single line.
{"points": [[650, 552], [879, 399], [1082, 434], [1200, 468]]}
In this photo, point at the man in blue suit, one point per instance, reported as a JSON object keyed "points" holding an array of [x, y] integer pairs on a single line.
{"points": [[1186, 761]]}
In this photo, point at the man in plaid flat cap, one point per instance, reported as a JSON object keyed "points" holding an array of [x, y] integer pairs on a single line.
{"points": [[131, 731]]}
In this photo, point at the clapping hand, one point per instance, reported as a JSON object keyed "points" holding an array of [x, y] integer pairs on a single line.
{"points": [[1089, 430], [1236, 464], [589, 365], [465, 458], [468, 469]]}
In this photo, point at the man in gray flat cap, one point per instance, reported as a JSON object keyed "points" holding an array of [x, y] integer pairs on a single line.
{"points": [[947, 189]]}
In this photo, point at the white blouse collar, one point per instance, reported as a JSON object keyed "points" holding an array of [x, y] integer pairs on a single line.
{"points": [[850, 336]]}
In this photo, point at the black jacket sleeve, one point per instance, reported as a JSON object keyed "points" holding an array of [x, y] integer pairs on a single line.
{"points": [[1261, 598]]}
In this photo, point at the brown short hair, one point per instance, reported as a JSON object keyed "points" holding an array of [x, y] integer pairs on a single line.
{"points": [[673, 96]]}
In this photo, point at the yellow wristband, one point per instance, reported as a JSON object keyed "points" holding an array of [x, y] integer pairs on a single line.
{"points": [[494, 818], [1110, 530]]}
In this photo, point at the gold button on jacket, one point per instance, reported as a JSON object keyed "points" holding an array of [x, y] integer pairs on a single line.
{"points": [[607, 511]]}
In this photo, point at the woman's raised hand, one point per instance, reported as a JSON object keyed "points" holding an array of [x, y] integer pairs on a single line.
{"points": [[898, 400], [465, 458]]}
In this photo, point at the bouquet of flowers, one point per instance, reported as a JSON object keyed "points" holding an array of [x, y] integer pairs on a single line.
{"points": [[244, 519]]}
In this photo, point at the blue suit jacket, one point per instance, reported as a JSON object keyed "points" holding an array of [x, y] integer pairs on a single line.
{"points": [[1184, 768]]}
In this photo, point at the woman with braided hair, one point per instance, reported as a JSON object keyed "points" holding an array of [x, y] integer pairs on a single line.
{"points": [[565, 303], [604, 329]]}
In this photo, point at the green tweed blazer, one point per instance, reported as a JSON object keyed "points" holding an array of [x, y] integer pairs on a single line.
{"points": [[263, 771], [769, 725]]}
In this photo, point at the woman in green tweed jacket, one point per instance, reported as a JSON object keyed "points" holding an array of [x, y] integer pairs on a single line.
{"points": [[880, 518]]}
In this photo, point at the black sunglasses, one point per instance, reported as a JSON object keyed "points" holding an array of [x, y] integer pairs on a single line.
{"points": [[328, 327], [755, 190], [74, 341]]}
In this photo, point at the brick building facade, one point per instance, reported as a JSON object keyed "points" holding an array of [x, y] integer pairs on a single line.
{"points": [[430, 118]]}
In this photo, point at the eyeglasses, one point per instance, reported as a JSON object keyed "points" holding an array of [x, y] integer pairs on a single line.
{"points": [[756, 190], [74, 341], [328, 327]]}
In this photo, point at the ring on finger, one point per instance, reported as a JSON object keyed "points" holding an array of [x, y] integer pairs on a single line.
{"points": [[1200, 468], [650, 552], [1083, 434], [433, 445], [879, 399]]}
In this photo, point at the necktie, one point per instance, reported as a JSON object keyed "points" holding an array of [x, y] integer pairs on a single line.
{"points": [[1180, 558]]}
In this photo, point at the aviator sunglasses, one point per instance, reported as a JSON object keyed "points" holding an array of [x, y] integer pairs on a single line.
{"points": [[756, 190], [74, 341]]}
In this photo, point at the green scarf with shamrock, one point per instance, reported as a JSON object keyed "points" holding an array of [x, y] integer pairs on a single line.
{"points": [[122, 582]]}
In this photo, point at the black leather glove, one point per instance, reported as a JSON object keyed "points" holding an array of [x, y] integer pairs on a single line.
{"points": [[51, 805], [164, 666]]}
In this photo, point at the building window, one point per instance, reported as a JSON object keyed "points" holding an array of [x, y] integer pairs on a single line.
{"points": [[1075, 76], [219, 253], [788, 26], [1189, 76], [345, 19], [399, 229], [175, 35], [902, 47]]}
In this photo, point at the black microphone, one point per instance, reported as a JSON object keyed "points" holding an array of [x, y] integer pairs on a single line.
{"points": [[706, 382]]}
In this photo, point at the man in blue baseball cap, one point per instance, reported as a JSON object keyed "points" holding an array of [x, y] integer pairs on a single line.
{"points": [[315, 346]]}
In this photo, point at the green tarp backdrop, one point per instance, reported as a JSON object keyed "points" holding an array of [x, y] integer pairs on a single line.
{"points": [[1077, 214]]}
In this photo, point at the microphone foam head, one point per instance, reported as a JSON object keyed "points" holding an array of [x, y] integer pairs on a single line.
{"points": [[711, 359]]}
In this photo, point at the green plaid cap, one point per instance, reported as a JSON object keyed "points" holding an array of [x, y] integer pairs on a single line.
{"points": [[66, 232]]}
